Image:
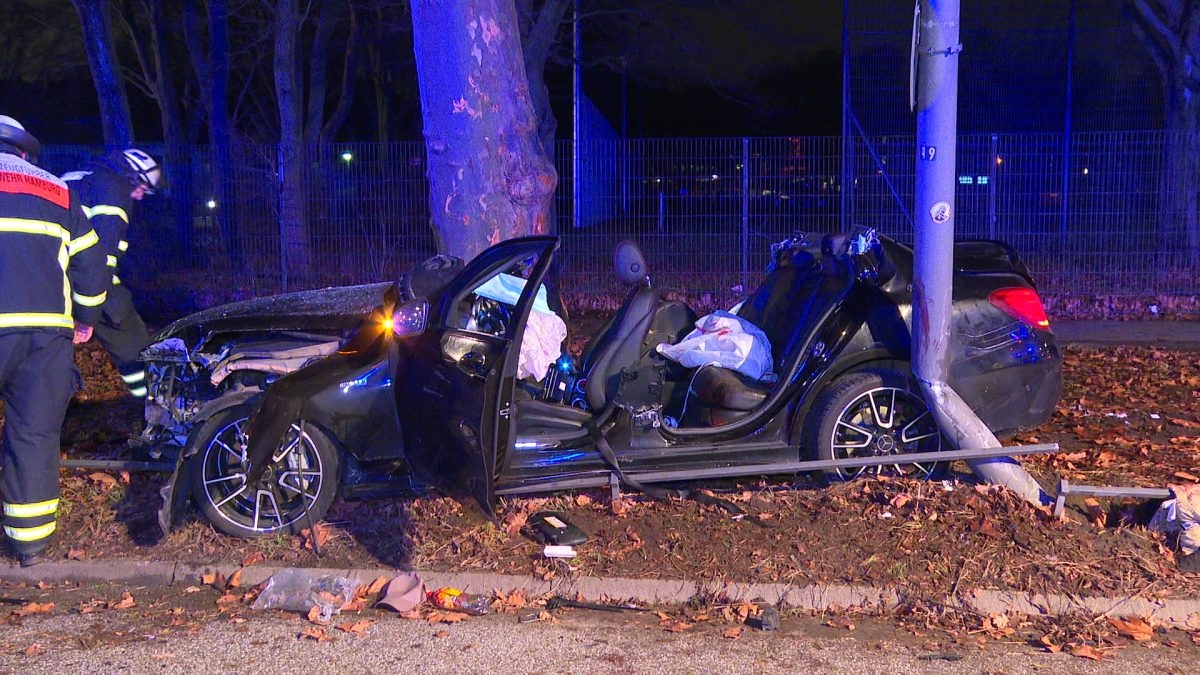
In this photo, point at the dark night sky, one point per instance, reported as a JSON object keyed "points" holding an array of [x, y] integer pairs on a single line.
{"points": [[699, 67]]}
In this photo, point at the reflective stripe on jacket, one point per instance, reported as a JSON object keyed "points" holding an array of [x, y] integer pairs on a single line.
{"points": [[51, 264]]}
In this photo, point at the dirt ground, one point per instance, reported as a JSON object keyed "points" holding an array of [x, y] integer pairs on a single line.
{"points": [[1128, 416]]}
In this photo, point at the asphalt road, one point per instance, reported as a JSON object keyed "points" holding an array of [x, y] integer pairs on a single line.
{"points": [[133, 640]]}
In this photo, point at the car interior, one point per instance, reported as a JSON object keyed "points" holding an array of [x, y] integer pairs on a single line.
{"points": [[621, 364]]}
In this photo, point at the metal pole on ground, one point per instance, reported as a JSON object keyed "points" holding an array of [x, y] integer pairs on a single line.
{"points": [[937, 50]]}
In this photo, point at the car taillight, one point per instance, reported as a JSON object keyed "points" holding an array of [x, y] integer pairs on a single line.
{"points": [[1023, 304]]}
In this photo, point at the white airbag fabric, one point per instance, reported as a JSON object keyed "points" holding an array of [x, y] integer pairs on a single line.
{"points": [[724, 340]]}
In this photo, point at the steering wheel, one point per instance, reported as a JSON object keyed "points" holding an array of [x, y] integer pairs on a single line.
{"points": [[490, 316]]}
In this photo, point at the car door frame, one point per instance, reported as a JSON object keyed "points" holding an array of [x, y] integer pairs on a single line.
{"points": [[497, 377]]}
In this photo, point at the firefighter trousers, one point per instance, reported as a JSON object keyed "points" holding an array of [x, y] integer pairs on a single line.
{"points": [[37, 378], [124, 336]]}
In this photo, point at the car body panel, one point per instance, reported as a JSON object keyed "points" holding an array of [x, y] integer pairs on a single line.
{"points": [[443, 404]]}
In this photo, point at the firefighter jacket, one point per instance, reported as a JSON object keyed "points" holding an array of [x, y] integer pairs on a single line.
{"points": [[51, 265], [104, 193]]}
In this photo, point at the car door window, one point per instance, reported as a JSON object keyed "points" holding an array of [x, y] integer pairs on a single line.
{"points": [[486, 304]]}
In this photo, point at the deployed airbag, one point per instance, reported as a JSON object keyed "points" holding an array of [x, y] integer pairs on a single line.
{"points": [[725, 340], [544, 331]]}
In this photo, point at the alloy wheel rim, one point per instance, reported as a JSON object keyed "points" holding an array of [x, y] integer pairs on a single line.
{"points": [[886, 421], [277, 499]]}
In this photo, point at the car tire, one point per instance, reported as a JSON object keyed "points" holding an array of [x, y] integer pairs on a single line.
{"points": [[309, 472], [873, 412]]}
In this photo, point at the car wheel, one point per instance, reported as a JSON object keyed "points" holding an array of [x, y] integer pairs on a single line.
{"points": [[872, 413], [303, 471]]}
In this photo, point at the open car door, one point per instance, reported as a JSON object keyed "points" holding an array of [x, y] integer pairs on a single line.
{"points": [[455, 383]]}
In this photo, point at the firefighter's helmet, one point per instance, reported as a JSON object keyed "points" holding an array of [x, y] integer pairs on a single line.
{"points": [[13, 133], [143, 170]]}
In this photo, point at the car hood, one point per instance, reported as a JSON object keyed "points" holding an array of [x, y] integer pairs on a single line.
{"points": [[324, 309]]}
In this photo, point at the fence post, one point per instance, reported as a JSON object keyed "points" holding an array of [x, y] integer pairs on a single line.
{"points": [[745, 213], [283, 277], [992, 188], [662, 211]]}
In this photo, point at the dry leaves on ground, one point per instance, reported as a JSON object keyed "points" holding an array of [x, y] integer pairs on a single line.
{"points": [[1086, 652], [355, 627], [733, 633], [125, 602], [314, 633], [445, 617], [1138, 630], [33, 608], [323, 532]]}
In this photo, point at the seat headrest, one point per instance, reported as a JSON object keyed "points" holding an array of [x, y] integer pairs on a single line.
{"points": [[630, 264]]}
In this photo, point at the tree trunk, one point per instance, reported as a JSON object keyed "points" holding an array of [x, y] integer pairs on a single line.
{"points": [[537, 45], [1181, 180], [1170, 31], [177, 157], [211, 66], [489, 179], [289, 96], [106, 73]]}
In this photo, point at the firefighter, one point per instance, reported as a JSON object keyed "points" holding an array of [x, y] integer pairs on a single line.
{"points": [[52, 284], [108, 187]]}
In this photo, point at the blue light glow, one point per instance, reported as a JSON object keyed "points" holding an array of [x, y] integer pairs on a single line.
{"points": [[362, 380]]}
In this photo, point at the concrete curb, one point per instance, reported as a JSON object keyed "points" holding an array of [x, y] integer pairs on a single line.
{"points": [[814, 597]]}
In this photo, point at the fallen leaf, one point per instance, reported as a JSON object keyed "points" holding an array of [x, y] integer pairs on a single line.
{"points": [[356, 627], [34, 608], [314, 633], [1096, 514], [322, 535], [899, 500], [1049, 645], [34, 649], [733, 633], [227, 600], [314, 615], [235, 579], [1086, 652], [446, 617], [1193, 621], [125, 602], [354, 605], [583, 500], [679, 627], [1186, 476], [76, 554], [253, 559], [105, 480], [1137, 630], [376, 586], [192, 589], [441, 634]]}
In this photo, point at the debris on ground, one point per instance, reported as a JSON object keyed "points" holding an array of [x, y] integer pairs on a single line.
{"points": [[297, 590]]}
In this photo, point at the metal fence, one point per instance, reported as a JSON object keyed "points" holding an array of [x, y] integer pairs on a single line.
{"points": [[705, 210]]}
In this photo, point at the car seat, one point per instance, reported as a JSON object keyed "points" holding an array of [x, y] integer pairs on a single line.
{"points": [[619, 343]]}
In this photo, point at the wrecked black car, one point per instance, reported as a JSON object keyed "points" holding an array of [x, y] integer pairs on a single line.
{"points": [[389, 389]]}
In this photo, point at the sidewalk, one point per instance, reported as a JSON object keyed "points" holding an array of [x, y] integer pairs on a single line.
{"points": [[1184, 334], [1178, 611]]}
